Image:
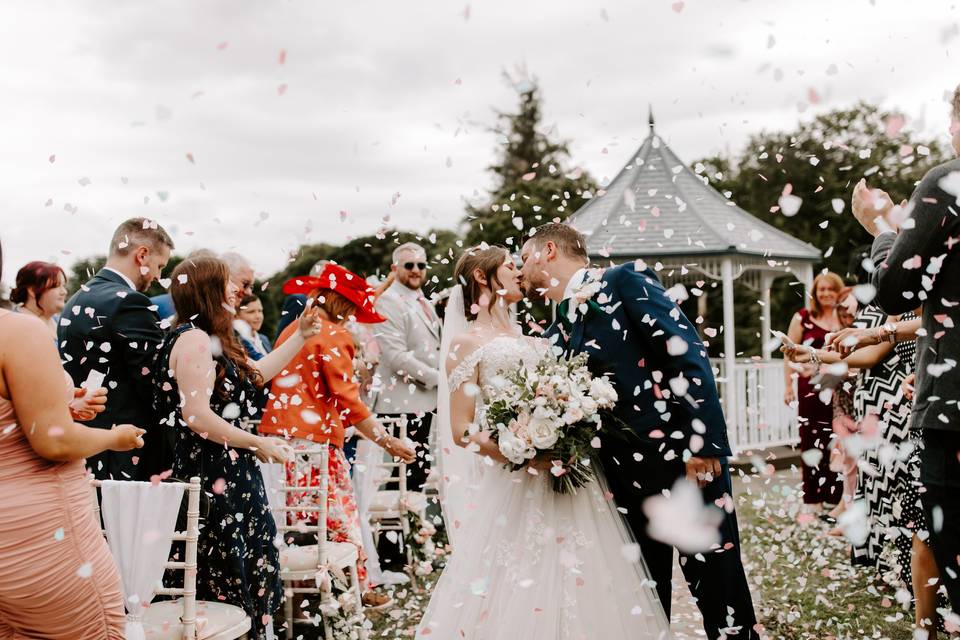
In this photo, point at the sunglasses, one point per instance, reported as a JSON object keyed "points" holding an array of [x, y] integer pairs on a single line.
{"points": [[422, 266]]}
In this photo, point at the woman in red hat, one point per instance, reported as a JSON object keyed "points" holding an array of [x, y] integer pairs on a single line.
{"points": [[316, 397]]}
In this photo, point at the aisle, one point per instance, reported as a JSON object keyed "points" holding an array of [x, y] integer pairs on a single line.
{"points": [[685, 620]]}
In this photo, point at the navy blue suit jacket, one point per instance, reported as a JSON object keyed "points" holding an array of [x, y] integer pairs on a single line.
{"points": [[111, 328], [626, 336]]}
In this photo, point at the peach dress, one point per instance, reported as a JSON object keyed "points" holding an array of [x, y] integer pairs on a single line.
{"points": [[57, 577]]}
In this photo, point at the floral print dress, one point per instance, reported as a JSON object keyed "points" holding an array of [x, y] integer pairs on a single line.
{"points": [[237, 559]]}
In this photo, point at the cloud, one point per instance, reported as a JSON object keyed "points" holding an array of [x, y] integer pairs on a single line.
{"points": [[392, 97]]}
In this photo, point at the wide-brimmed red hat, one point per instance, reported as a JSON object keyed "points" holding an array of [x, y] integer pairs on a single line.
{"points": [[346, 283]]}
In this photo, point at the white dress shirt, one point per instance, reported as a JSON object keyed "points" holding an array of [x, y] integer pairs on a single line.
{"points": [[575, 282], [125, 278]]}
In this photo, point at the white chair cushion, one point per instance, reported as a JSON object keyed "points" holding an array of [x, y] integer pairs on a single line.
{"points": [[390, 501], [304, 558], [161, 620]]}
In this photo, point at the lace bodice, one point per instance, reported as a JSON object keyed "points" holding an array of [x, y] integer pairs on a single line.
{"points": [[503, 353]]}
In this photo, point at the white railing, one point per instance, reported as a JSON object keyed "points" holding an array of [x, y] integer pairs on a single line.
{"points": [[762, 419]]}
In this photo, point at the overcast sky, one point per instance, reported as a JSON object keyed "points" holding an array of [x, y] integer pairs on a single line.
{"points": [[251, 125]]}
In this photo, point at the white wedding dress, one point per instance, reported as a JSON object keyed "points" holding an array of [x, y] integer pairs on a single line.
{"points": [[532, 564]]}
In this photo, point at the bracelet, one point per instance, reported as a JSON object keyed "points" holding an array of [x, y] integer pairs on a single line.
{"points": [[814, 358]]}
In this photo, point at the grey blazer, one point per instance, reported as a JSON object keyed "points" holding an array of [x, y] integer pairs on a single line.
{"points": [[406, 379], [921, 266]]}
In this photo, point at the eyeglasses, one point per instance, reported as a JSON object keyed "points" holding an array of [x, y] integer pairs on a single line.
{"points": [[422, 266]]}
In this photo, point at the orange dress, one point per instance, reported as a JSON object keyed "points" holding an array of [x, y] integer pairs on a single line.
{"points": [[314, 398], [57, 577]]}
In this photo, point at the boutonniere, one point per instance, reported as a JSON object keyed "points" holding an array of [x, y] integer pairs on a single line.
{"points": [[583, 300]]}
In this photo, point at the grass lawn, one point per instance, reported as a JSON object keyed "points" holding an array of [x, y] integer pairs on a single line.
{"points": [[804, 585]]}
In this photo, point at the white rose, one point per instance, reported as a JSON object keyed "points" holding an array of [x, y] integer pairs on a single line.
{"points": [[603, 392], [573, 414], [514, 448], [543, 432], [589, 405]]}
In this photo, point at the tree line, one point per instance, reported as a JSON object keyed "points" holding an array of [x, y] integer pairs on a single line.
{"points": [[535, 182]]}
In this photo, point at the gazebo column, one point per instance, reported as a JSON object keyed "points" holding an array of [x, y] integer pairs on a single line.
{"points": [[766, 281], [806, 277], [729, 344]]}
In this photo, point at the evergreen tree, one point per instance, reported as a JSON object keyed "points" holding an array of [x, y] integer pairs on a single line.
{"points": [[819, 162], [533, 183]]}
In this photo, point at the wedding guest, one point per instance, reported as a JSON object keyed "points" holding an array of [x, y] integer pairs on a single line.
{"points": [[241, 273], [409, 342], [407, 375], [57, 577], [324, 398], [809, 327], [891, 483], [844, 453], [924, 578], [207, 391], [108, 327], [247, 325], [916, 262], [881, 417], [41, 290]]}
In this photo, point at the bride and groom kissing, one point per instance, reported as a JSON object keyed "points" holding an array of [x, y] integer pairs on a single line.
{"points": [[531, 563]]}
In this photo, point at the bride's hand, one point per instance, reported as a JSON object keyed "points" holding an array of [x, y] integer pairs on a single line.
{"points": [[541, 462]]}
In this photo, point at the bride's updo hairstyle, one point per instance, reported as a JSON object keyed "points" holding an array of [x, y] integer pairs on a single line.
{"points": [[488, 260]]}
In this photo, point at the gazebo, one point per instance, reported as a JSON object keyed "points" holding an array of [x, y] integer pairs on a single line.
{"points": [[657, 210]]}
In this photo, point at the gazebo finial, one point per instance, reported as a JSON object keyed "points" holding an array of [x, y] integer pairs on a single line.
{"points": [[650, 111]]}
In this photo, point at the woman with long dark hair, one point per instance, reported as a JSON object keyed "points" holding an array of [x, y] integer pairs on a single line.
{"points": [[208, 390]]}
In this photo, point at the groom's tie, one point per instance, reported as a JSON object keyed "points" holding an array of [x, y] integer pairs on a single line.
{"points": [[562, 310]]}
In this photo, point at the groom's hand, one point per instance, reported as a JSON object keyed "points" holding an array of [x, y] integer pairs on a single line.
{"points": [[703, 470]]}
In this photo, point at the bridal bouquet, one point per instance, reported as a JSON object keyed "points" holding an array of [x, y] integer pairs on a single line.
{"points": [[552, 409]]}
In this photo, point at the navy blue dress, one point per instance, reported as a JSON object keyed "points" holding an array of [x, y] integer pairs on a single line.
{"points": [[237, 560]]}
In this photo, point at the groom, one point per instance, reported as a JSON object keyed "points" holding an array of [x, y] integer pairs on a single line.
{"points": [[623, 319]]}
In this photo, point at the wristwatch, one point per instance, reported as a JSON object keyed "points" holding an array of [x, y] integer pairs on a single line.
{"points": [[888, 333]]}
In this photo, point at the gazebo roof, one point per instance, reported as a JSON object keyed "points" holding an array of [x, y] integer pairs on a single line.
{"points": [[657, 207]]}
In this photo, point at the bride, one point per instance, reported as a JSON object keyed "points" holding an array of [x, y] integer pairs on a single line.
{"points": [[527, 562]]}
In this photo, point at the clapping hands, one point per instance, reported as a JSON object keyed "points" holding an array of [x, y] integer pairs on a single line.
{"points": [[872, 208]]}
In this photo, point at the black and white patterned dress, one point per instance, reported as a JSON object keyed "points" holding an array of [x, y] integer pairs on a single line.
{"points": [[885, 474]]}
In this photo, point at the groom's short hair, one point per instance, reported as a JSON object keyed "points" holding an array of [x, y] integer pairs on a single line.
{"points": [[568, 240]]}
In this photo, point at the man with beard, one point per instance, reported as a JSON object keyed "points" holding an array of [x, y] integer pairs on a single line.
{"points": [[109, 333]]}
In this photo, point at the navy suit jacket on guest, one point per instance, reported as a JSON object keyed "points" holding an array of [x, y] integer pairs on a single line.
{"points": [[626, 334], [108, 327]]}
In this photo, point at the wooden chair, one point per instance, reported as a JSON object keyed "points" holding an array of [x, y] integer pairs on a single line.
{"points": [[188, 618], [306, 569]]}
